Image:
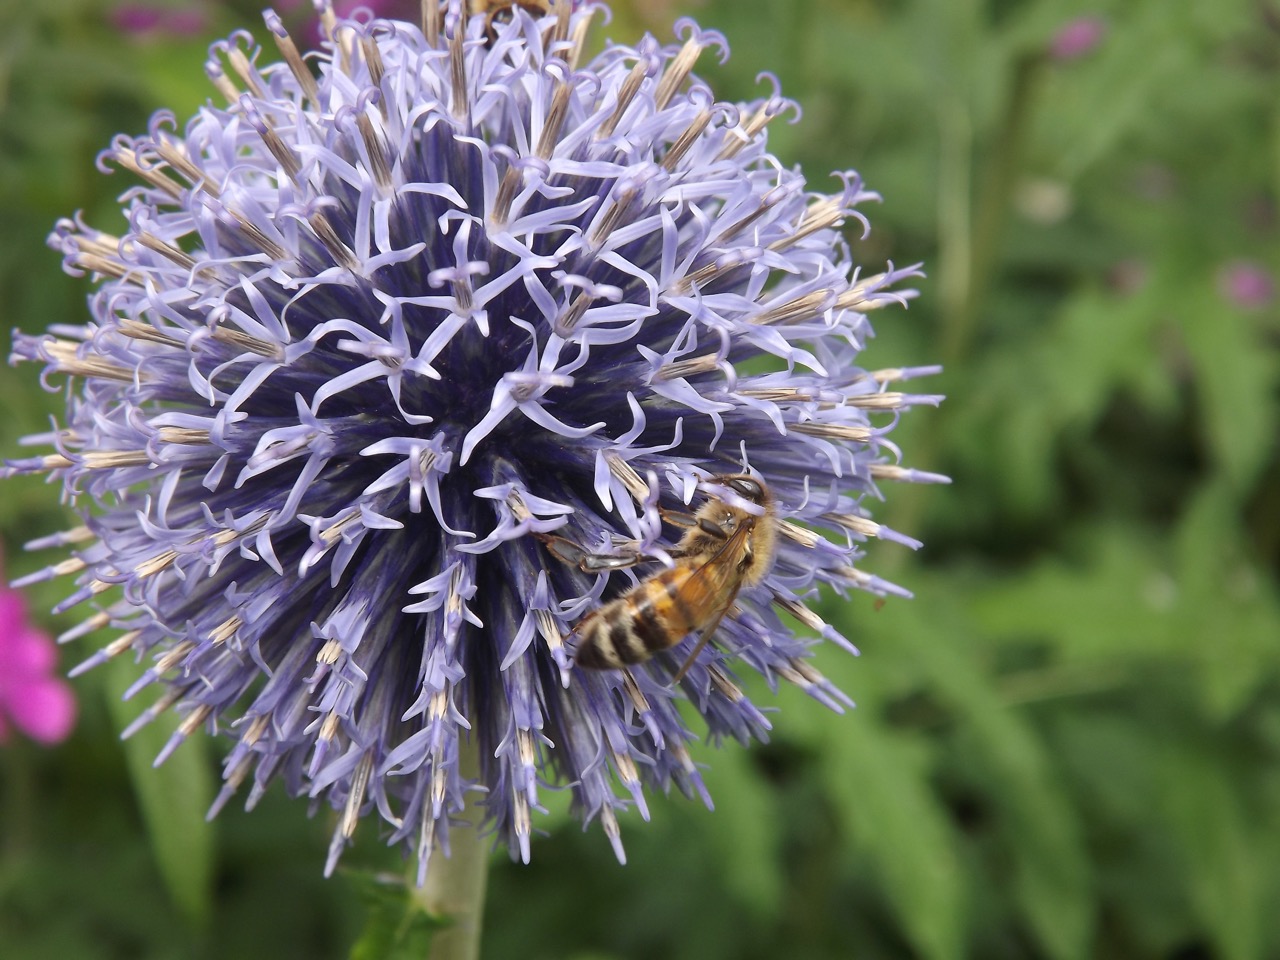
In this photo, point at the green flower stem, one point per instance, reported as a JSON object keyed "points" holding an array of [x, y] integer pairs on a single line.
{"points": [[955, 218], [455, 887], [974, 245], [19, 800], [972, 221]]}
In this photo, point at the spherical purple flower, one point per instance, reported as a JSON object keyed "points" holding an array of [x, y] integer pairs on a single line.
{"points": [[372, 335]]}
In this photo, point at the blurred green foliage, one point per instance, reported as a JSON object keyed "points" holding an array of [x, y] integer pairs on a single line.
{"points": [[1065, 747]]}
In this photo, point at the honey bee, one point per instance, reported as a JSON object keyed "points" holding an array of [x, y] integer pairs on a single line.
{"points": [[500, 11], [724, 548]]}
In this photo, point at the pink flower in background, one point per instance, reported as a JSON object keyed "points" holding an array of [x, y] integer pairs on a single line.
{"points": [[140, 20], [404, 9], [1246, 284], [386, 9], [32, 698], [1077, 38]]}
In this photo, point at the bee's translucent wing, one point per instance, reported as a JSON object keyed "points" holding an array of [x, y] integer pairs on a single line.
{"points": [[703, 639], [709, 569]]}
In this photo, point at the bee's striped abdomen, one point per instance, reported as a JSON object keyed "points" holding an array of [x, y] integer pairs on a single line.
{"points": [[659, 615], [606, 640], [650, 617]]}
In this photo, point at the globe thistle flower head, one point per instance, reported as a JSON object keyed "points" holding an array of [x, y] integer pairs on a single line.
{"points": [[402, 331]]}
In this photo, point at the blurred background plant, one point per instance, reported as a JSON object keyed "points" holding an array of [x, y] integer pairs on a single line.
{"points": [[1065, 747]]}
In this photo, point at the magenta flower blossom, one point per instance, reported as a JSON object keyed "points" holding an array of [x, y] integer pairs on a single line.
{"points": [[376, 329], [383, 9], [32, 698], [1077, 38], [140, 20], [1247, 284]]}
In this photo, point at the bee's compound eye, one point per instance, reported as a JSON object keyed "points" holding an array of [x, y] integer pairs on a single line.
{"points": [[747, 487]]}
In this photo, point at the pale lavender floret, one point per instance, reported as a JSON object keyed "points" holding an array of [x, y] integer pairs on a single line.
{"points": [[370, 336]]}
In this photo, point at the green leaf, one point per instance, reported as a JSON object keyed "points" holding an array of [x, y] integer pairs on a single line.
{"points": [[1227, 607], [748, 853], [173, 797], [1209, 828], [1045, 391], [396, 927], [1114, 759], [1099, 106], [880, 781], [1236, 373], [1111, 603], [1052, 878]]}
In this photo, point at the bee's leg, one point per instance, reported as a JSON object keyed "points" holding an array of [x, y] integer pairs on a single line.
{"points": [[678, 518], [575, 555], [691, 521], [711, 528]]}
